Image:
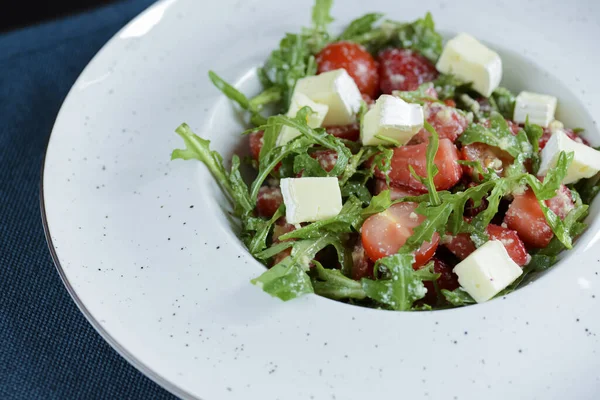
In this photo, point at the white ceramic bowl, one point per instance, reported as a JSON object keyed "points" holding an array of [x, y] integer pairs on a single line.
{"points": [[168, 285]]}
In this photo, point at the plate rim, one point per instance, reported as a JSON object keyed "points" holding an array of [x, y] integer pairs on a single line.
{"points": [[107, 337]]}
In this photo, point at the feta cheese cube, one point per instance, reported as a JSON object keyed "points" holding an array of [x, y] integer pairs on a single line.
{"points": [[311, 199], [586, 160], [487, 271], [539, 107], [391, 117], [335, 89], [469, 60], [313, 120]]}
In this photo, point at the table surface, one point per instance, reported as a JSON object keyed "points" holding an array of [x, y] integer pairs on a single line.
{"points": [[49, 350]]}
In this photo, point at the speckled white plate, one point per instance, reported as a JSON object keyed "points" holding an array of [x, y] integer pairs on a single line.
{"points": [[146, 251]]}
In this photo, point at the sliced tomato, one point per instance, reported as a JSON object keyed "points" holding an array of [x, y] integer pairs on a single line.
{"points": [[447, 121], [268, 201], [569, 132], [327, 158], [403, 69], [396, 192], [385, 233], [488, 156], [525, 216], [362, 266], [462, 246], [450, 103], [348, 132], [446, 159], [255, 140], [356, 60], [448, 280]]}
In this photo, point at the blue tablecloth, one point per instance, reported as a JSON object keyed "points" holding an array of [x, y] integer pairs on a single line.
{"points": [[47, 348]]}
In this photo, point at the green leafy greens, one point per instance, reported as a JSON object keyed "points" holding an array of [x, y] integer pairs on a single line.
{"points": [[321, 257]]}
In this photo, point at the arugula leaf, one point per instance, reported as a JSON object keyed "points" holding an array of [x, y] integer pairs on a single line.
{"points": [[541, 262], [403, 287], [534, 133], [503, 102], [341, 223], [360, 26], [458, 297], [333, 284], [258, 242], [321, 18], [379, 203], [588, 188], [237, 96], [357, 189], [498, 135], [308, 137], [547, 190], [286, 280], [270, 95], [420, 96], [449, 86], [273, 250], [422, 37], [437, 218], [287, 64], [432, 169], [382, 161], [231, 183], [419, 35], [308, 166]]}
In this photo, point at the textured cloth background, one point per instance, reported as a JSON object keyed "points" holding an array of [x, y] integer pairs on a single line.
{"points": [[47, 348]]}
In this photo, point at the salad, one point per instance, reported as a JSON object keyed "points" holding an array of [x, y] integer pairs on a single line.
{"points": [[395, 172]]}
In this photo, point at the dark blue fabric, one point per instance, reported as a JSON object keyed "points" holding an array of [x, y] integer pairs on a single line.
{"points": [[47, 348]]}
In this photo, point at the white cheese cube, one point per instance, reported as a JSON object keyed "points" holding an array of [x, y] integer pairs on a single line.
{"points": [[487, 271], [469, 60], [391, 117], [335, 89], [311, 199], [314, 120], [539, 107], [586, 160]]}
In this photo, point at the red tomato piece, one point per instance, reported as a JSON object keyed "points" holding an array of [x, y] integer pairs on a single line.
{"points": [[448, 280], [403, 69], [447, 121], [356, 60], [396, 192], [348, 132], [268, 201], [256, 140], [450, 103], [446, 159], [569, 132], [385, 233], [327, 158], [362, 267], [462, 246], [488, 156], [525, 216]]}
